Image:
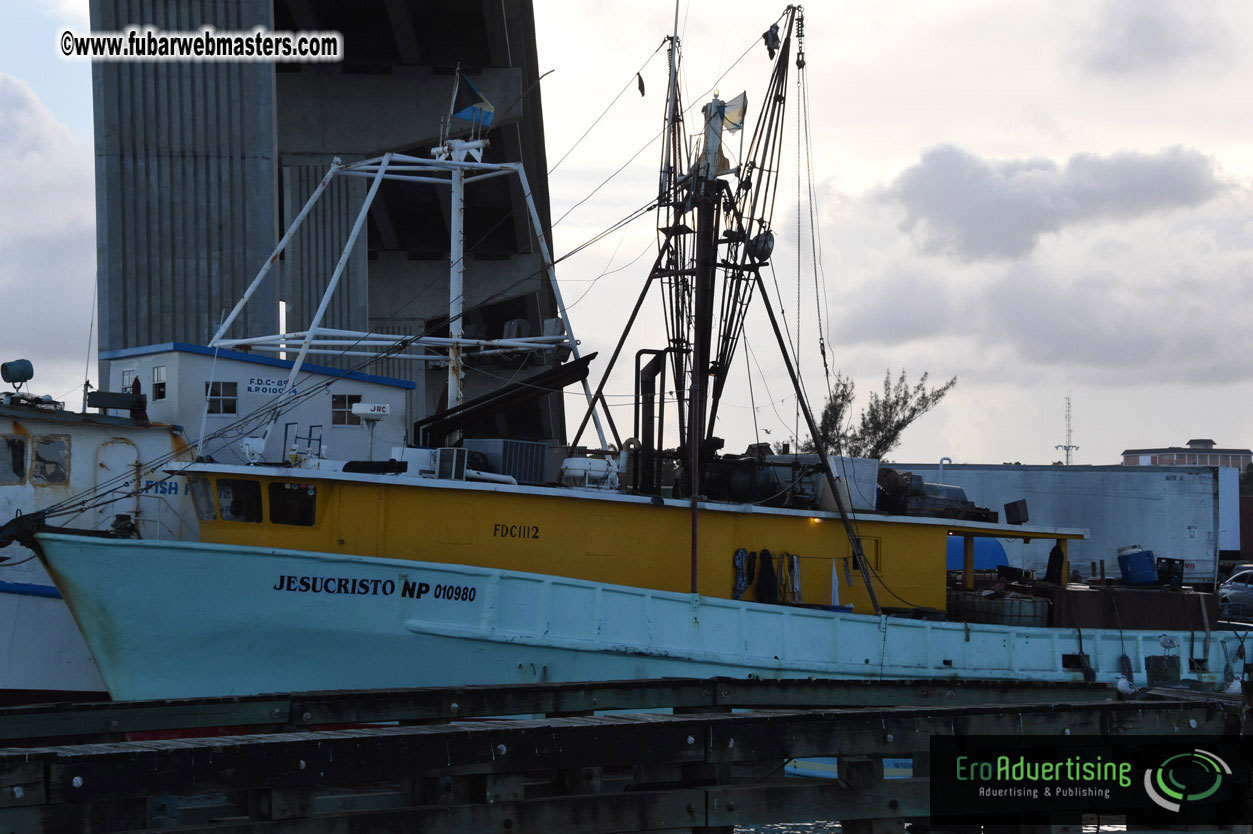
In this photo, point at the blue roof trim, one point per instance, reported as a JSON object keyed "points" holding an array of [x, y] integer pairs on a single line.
{"points": [[273, 362], [29, 589]]}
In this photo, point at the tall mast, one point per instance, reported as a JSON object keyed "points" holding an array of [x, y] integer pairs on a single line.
{"points": [[712, 282], [456, 283], [667, 161], [705, 195], [1068, 447]]}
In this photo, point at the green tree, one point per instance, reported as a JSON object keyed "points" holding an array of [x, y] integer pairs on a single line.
{"points": [[878, 427]]}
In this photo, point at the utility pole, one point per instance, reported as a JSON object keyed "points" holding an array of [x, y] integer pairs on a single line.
{"points": [[1068, 446]]}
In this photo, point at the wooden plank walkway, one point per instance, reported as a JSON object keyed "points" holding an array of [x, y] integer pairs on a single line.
{"points": [[105, 721], [701, 767]]}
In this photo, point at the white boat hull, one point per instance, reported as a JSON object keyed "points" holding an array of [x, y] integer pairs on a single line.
{"points": [[172, 619], [43, 656]]}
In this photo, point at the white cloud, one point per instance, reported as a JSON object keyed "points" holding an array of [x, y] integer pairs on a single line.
{"points": [[47, 236], [1136, 36], [1116, 301], [969, 207], [66, 12]]}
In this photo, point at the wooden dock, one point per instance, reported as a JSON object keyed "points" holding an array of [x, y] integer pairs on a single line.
{"points": [[695, 755]]}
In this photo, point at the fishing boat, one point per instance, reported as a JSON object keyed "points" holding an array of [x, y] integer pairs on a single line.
{"points": [[48, 456], [446, 565]]}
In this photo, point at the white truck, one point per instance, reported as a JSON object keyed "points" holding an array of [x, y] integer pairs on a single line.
{"points": [[1180, 512]]}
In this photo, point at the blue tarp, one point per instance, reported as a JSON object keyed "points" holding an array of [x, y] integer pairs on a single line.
{"points": [[988, 553]]}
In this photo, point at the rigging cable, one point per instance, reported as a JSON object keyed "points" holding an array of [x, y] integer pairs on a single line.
{"points": [[748, 374], [626, 265], [91, 329], [796, 431], [649, 143], [766, 385], [815, 238], [85, 500], [596, 121]]}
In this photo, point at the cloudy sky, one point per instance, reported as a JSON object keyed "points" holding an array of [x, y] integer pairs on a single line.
{"points": [[1038, 198]]}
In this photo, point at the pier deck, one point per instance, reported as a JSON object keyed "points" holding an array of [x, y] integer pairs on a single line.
{"points": [[708, 755]]}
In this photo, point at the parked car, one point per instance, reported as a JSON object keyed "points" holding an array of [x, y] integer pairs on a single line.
{"points": [[1235, 596]]}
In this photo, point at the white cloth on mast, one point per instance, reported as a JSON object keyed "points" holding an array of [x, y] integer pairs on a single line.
{"points": [[733, 115]]}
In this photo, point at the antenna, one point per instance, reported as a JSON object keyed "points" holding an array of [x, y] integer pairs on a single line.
{"points": [[1068, 445]]}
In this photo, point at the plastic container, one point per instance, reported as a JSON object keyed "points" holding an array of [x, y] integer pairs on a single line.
{"points": [[1170, 571], [1137, 566], [1012, 610]]}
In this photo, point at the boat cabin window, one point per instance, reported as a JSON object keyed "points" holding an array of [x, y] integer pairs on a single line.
{"points": [[51, 463], [202, 498], [341, 410], [158, 382], [12, 459], [223, 398], [293, 503], [239, 500]]}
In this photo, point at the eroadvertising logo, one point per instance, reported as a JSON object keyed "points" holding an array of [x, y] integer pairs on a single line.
{"points": [[1173, 783], [1067, 780]]}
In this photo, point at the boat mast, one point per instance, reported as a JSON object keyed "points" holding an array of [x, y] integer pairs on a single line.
{"points": [[456, 274], [667, 166], [706, 193]]}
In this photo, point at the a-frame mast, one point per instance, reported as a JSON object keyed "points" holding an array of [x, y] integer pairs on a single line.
{"points": [[720, 272]]}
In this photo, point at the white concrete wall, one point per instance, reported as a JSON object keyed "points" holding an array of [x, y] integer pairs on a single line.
{"points": [[257, 386], [1228, 508], [101, 457], [1171, 510]]}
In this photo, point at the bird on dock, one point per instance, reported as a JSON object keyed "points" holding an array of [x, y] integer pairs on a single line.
{"points": [[1125, 686], [1235, 687], [1167, 642]]}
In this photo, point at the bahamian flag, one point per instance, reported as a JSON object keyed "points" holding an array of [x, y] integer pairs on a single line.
{"points": [[470, 105]]}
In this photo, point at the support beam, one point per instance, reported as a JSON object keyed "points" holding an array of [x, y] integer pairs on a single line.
{"points": [[404, 31], [538, 228], [330, 292], [383, 222], [335, 168], [599, 396]]}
